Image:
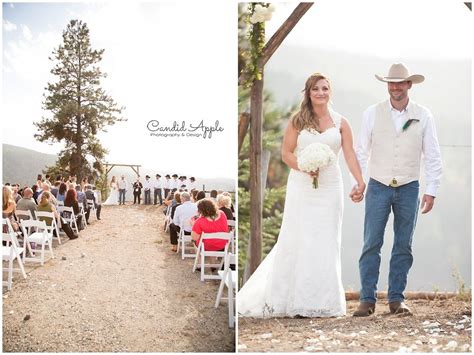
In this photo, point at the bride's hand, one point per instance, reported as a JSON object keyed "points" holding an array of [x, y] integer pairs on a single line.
{"points": [[357, 193]]}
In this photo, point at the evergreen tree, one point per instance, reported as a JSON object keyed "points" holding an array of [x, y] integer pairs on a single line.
{"points": [[80, 107]]}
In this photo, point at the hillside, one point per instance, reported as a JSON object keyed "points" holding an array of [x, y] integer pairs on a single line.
{"points": [[22, 165]]}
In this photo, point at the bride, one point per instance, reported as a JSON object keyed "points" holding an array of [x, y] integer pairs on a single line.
{"points": [[301, 276], [113, 193]]}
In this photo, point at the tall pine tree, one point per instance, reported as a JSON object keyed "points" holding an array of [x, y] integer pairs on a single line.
{"points": [[80, 107]]}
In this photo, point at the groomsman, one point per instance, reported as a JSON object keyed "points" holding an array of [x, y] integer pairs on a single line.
{"points": [[166, 185], [157, 189], [183, 183], [137, 190], [192, 184], [147, 185], [174, 183], [122, 186]]}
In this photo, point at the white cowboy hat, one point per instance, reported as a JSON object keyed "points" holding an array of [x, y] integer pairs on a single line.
{"points": [[398, 72]]}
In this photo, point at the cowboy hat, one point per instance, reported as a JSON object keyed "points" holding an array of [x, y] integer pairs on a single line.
{"points": [[398, 72]]}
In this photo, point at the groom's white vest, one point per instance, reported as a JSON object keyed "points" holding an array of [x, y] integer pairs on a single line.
{"points": [[395, 157]]}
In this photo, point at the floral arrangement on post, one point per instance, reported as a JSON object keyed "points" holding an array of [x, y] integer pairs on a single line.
{"points": [[258, 14], [314, 157]]}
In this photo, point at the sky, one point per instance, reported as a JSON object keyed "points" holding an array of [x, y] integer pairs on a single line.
{"points": [[164, 61]]}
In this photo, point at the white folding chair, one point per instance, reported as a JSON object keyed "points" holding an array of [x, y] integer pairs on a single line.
{"points": [[37, 232], [228, 279], [168, 219], [93, 210], [23, 214], [40, 215], [185, 243], [202, 253], [82, 212], [69, 217], [231, 225], [11, 252]]}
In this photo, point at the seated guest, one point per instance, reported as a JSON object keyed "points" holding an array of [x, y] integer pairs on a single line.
{"points": [[62, 192], [212, 220], [15, 195], [223, 203], [27, 203], [91, 196], [225, 193], [36, 192], [213, 194], [45, 187], [71, 201], [45, 205], [200, 195], [81, 198], [194, 192], [55, 188], [177, 198], [9, 207], [182, 215]]}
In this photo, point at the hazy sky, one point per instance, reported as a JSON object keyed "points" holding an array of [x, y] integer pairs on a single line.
{"points": [[382, 28], [165, 61]]}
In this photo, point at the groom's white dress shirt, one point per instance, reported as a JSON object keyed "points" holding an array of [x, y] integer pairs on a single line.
{"points": [[430, 145], [122, 184]]}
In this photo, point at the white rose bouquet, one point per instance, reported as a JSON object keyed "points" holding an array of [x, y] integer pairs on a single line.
{"points": [[315, 156]]}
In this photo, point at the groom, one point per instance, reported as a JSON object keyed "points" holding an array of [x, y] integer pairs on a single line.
{"points": [[396, 134]]}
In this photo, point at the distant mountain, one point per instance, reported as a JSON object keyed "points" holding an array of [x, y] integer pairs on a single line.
{"points": [[22, 165]]}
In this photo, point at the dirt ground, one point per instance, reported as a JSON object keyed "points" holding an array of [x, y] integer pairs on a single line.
{"points": [[436, 326], [117, 288]]}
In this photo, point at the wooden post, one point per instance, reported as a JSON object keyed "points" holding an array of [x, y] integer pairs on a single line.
{"points": [[254, 256]]}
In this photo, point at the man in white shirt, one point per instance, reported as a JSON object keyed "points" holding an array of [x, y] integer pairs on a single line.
{"points": [[166, 185], [192, 184], [157, 189], [182, 217], [395, 134], [174, 182], [147, 186], [122, 187]]}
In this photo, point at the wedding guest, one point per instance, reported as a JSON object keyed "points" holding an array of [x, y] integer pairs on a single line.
{"points": [[200, 195], [9, 207], [15, 195], [45, 205], [147, 185], [166, 185], [177, 200], [39, 180], [71, 201], [81, 198], [137, 191], [122, 186], [48, 179], [36, 192], [27, 203], [53, 199], [231, 204], [223, 203], [84, 182], [182, 216], [91, 196], [212, 220], [55, 188], [192, 183], [194, 194], [213, 194], [157, 189], [62, 192]]}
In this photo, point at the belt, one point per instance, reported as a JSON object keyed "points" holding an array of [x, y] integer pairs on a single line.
{"points": [[394, 183]]}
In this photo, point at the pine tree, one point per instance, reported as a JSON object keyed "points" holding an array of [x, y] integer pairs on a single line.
{"points": [[80, 107]]}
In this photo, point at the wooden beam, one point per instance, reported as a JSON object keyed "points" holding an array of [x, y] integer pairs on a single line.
{"points": [[254, 256], [244, 122]]}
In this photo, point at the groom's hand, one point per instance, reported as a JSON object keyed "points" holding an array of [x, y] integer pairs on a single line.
{"points": [[356, 195], [427, 203]]}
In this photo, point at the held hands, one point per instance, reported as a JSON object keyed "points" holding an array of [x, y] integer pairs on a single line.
{"points": [[427, 203], [357, 193]]}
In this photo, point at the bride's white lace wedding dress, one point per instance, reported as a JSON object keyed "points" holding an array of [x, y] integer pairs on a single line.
{"points": [[302, 273], [113, 195]]}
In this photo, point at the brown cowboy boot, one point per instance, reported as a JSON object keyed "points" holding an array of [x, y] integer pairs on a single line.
{"points": [[365, 309], [399, 308]]}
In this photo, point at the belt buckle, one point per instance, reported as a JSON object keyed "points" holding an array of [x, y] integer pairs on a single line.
{"points": [[394, 183]]}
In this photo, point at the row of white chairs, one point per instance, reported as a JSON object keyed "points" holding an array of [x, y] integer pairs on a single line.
{"points": [[225, 273]]}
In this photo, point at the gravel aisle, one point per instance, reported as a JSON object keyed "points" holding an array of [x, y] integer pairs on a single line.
{"points": [[119, 289]]}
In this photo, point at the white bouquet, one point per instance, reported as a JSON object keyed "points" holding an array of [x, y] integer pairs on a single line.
{"points": [[315, 156]]}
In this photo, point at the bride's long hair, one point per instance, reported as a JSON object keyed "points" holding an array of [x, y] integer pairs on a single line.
{"points": [[305, 117], [112, 181]]}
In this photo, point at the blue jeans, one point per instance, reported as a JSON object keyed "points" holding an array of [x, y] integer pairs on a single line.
{"points": [[121, 196], [380, 200]]}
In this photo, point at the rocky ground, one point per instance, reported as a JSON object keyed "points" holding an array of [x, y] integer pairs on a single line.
{"points": [[117, 288], [436, 326]]}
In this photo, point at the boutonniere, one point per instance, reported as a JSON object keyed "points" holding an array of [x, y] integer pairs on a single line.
{"points": [[408, 123]]}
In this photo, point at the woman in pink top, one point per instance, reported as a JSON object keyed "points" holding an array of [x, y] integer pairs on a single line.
{"points": [[212, 220]]}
